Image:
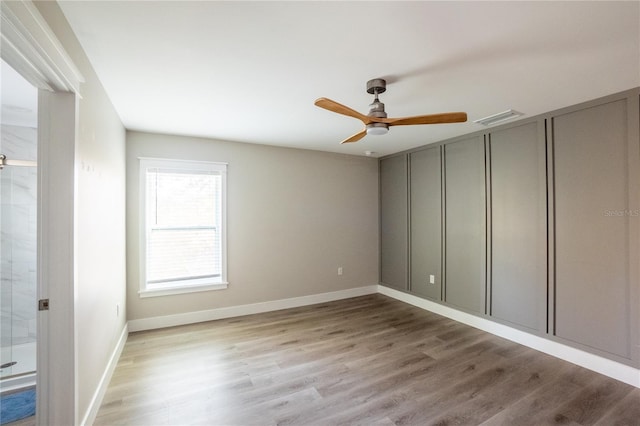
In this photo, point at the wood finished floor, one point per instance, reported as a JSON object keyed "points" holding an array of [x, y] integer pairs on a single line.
{"points": [[364, 361]]}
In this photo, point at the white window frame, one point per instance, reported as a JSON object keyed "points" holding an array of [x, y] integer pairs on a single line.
{"points": [[185, 286]]}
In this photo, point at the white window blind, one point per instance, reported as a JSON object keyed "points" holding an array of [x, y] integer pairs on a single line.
{"points": [[183, 224]]}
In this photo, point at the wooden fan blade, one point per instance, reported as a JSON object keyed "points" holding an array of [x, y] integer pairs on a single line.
{"points": [[334, 106], [447, 117], [356, 137]]}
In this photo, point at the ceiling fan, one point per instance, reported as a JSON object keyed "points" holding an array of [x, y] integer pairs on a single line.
{"points": [[376, 122]]}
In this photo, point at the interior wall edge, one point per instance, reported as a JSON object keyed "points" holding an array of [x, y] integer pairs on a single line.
{"points": [[607, 367], [152, 323]]}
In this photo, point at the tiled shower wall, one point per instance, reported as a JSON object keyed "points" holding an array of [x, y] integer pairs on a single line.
{"points": [[18, 190]]}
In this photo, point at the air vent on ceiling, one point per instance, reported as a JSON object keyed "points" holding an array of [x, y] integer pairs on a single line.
{"points": [[509, 114]]}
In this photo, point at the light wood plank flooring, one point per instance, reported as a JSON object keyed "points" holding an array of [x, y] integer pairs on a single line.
{"points": [[364, 361]]}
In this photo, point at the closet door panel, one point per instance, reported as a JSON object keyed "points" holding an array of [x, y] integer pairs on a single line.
{"points": [[465, 224], [393, 222], [426, 223]]}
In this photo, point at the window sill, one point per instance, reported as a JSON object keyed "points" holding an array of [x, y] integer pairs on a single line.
{"points": [[183, 289]]}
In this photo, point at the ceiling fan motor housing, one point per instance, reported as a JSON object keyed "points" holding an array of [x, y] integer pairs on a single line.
{"points": [[376, 109]]}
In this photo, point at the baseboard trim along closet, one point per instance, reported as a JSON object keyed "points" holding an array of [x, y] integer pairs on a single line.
{"points": [[92, 411], [254, 308], [613, 369]]}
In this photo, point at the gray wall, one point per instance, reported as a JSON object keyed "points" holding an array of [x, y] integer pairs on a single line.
{"points": [[465, 239], [426, 222], [294, 217], [541, 224], [393, 222], [593, 222], [518, 214], [100, 219]]}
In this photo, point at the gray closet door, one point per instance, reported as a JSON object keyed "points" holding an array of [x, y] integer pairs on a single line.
{"points": [[393, 222], [592, 230], [465, 212], [426, 223], [518, 226]]}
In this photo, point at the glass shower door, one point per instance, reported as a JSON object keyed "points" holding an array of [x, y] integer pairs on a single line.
{"points": [[18, 229]]}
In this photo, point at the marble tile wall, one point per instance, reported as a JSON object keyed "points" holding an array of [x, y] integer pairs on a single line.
{"points": [[18, 219]]}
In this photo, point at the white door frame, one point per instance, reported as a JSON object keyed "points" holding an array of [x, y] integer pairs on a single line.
{"points": [[56, 377], [31, 48]]}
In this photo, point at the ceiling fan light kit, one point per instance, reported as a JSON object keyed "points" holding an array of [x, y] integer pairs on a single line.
{"points": [[376, 121], [377, 129]]}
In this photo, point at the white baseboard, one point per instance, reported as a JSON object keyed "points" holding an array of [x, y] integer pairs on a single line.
{"points": [[596, 363], [96, 401], [254, 308]]}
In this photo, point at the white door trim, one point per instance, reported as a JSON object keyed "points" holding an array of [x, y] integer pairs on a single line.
{"points": [[56, 376], [31, 48]]}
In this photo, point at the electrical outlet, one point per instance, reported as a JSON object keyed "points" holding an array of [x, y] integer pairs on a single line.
{"points": [[432, 279], [339, 270]]}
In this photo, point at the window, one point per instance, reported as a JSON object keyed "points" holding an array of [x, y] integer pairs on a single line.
{"points": [[182, 244]]}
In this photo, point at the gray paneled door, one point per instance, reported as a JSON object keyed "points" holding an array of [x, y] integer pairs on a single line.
{"points": [[518, 279], [592, 228], [393, 222], [465, 224], [426, 223]]}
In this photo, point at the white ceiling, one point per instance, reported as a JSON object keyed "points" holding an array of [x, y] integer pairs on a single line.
{"points": [[250, 71]]}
